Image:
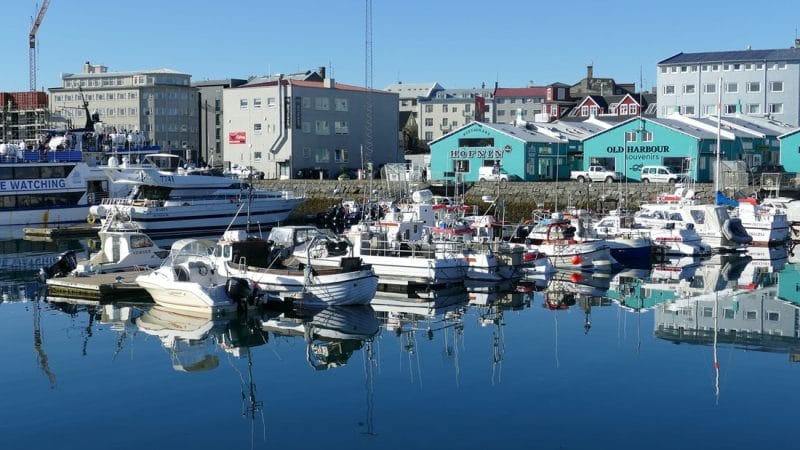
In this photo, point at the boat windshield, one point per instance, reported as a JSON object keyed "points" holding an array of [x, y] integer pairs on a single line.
{"points": [[189, 250]]}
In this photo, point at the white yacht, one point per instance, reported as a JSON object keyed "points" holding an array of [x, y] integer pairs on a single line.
{"points": [[167, 199], [556, 237], [671, 239], [767, 226], [712, 222]]}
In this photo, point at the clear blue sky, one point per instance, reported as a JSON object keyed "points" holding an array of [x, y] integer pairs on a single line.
{"points": [[456, 43]]}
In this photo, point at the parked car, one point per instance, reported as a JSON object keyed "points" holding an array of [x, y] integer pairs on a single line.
{"points": [[245, 172], [595, 173], [492, 173], [659, 174]]}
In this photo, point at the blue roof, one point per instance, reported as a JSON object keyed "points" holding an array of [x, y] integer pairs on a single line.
{"points": [[781, 54]]}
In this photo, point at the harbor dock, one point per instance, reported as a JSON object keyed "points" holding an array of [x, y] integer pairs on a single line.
{"points": [[106, 288], [71, 231]]}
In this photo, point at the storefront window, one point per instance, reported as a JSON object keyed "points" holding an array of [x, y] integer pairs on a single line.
{"points": [[476, 142]]}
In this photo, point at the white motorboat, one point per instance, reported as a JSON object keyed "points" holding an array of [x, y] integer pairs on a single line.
{"points": [[394, 261], [123, 247], [711, 222], [671, 239], [555, 237], [169, 200], [273, 267], [188, 281], [767, 226]]}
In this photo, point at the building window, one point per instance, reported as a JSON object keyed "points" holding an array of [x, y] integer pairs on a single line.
{"points": [[454, 123], [709, 109], [256, 128], [322, 155], [674, 69], [428, 121], [306, 101], [444, 121], [322, 127], [776, 86], [730, 109], [256, 103], [340, 104], [647, 136], [750, 315], [737, 67], [467, 108], [341, 127], [759, 66], [256, 156], [688, 88], [340, 155], [684, 68], [306, 127], [633, 109], [687, 110], [429, 135], [732, 88], [728, 313], [444, 108], [753, 86], [321, 103], [429, 108], [630, 136], [584, 110], [623, 109], [669, 89], [243, 103], [501, 112], [715, 67], [692, 68], [773, 316], [663, 69], [593, 111], [754, 108], [776, 108], [709, 88], [460, 165], [306, 153], [726, 67]]}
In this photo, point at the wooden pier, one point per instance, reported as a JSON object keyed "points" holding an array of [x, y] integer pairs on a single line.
{"points": [[72, 231], [106, 288]]}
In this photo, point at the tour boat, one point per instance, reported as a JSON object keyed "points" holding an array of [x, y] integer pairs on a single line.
{"points": [[167, 199]]}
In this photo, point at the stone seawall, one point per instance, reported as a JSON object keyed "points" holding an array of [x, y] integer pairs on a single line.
{"points": [[520, 197]]}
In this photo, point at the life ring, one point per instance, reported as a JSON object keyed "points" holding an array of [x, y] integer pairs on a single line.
{"points": [[202, 270], [90, 219]]}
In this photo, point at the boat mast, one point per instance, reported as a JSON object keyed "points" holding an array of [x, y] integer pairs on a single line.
{"points": [[719, 131]]}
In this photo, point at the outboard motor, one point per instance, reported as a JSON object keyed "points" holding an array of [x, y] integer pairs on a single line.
{"points": [[241, 291], [65, 263]]}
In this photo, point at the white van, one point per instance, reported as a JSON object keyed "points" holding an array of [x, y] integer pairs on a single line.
{"points": [[492, 173], [659, 174]]}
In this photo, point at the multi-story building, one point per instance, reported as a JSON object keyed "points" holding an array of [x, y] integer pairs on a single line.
{"points": [[753, 82], [410, 94], [610, 107], [449, 109], [511, 102], [160, 103], [211, 117], [23, 116], [290, 128]]}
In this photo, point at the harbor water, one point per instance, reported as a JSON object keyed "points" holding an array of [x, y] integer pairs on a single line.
{"points": [[689, 354]]}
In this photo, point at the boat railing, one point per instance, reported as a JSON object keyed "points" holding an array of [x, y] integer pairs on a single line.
{"points": [[412, 249]]}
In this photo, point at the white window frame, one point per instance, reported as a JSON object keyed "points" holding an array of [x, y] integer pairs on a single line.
{"points": [[257, 103], [689, 88], [668, 88], [728, 89], [242, 103], [341, 155], [772, 86], [712, 86], [322, 127], [748, 86], [775, 108]]}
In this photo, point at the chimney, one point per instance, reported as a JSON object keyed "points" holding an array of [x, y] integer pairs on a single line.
{"points": [[87, 67], [328, 83], [797, 43], [589, 72], [322, 72]]}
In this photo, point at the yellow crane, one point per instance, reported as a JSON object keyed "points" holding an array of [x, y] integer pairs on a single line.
{"points": [[32, 42]]}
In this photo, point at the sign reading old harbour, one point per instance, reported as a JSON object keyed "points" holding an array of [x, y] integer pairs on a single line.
{"points": [[639, 149]]}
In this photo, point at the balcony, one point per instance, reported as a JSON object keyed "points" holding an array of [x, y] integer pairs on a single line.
{"points": [[445, 128]]}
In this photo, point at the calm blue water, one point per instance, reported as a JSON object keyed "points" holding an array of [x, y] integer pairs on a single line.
{"points": [[574, 362]]}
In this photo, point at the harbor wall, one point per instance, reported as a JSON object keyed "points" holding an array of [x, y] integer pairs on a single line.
{"points": [[520, 198]]}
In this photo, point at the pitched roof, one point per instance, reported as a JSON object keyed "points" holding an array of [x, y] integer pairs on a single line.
{"points": [[521, 92], [316, 84], [414, 90], [518, 133], [781, 54], [160, 71]]}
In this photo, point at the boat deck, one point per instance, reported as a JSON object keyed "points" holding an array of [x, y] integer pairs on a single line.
{"points": [[79, 230], [106, 288]]}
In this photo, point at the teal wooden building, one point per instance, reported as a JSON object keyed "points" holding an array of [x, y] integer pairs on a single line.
{"points": [[523, 154], [687, 145], [790, 150]]}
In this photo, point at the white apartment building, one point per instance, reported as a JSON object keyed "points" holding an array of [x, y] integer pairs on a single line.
{"points": [[449, 109], [290, 128], [160, 103], [754, 82]]}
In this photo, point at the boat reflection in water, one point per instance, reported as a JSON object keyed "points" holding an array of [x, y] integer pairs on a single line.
{"points": [[331, 334]]}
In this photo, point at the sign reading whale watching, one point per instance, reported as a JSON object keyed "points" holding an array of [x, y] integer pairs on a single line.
{"points": [[48, 184]]}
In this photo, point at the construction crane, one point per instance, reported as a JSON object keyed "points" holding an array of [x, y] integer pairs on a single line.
{"points": [[367, 149], [32, 42]]}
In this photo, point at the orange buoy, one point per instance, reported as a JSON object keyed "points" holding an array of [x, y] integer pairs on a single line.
{"points": [[575, 277], [576, 259]]}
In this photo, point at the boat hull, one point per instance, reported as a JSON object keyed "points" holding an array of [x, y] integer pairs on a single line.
{"points": [[348, 288]]}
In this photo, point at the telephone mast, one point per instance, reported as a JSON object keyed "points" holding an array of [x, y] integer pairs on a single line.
{"points": [[367, 154], [32, 43]]}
